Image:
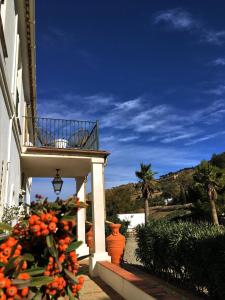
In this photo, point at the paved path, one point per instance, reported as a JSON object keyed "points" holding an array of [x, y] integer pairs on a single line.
{"points": [[95, 288]]}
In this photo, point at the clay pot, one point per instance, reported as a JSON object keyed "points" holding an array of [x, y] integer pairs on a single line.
{"points": [[115, 244], [90, 238]]}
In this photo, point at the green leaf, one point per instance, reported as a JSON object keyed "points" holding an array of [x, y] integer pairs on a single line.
{"points": [[68, 218], [51, 246], [41, 280], [28, 257], [10, 264], [49, 241], [18, 268], [83, 257], [34, 271], [73, 246], [70, 294], [59, 264], [5, 227], [24, 257], [38, 296], [71, 276], [20, 283]]}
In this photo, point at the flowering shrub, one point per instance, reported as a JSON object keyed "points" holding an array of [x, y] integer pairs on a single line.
{"points": [[38, 258]]}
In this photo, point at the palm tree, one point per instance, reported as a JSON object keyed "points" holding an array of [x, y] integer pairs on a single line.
{"points": [[147, 184], [212, 179]]}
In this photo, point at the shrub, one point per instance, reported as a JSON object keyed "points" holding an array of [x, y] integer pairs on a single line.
{"points": [[192, 255], [10, 214], [38, 258]]}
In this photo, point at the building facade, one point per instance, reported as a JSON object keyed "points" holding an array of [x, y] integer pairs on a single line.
{"points": [[32, 146], [17, 95]]}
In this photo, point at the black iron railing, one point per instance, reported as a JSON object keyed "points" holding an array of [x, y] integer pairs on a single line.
{"points": [[61, 133]]}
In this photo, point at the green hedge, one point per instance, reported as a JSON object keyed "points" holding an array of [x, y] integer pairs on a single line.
{"points": [[192, 255]]}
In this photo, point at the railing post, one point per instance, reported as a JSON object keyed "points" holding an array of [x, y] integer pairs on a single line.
{"points": [[97, 134]]}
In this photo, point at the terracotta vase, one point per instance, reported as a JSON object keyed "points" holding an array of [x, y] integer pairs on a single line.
{"points": [[90, 238], [115, 244]]}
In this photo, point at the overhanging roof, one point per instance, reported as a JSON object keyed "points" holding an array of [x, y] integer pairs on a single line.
{"points": [[43, 162]]}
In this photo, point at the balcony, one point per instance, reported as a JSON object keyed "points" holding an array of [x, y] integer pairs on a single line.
{"points": [[61, 134]]}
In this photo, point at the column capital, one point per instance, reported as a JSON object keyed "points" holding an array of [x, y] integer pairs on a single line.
{"points": [[98, 160]]}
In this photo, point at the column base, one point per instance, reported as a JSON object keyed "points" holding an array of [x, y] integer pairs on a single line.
{"points": [[94, 258], [83, 250]]}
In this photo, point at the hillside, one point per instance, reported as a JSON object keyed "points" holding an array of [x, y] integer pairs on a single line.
{"points": [[176, 185]]}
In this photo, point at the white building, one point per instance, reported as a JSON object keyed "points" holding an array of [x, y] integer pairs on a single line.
{"points": [[17, 95], [133, 219], [35, 147]]}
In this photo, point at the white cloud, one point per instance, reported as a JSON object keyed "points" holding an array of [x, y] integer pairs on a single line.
{"points": [[220, 90], [218, 62], [108, 138], [181, 20], [126, 121], [214, 37], [128, 105], [100, 99], [128, 138], [177, 18], [179, 137], [205, 138]]}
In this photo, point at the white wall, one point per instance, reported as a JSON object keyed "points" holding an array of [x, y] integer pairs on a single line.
{"points": [[14, 184], [134, 219], [4, 133], [118, 279], [11, 122], [10, 27]]}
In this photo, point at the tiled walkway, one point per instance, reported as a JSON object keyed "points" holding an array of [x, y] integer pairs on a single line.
{"points": [[95, 288]]}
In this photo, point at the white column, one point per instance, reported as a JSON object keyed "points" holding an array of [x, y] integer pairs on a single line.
{"points": [[98, 216], [81, 216]]}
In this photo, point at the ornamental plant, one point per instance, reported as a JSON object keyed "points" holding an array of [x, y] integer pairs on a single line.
{"points": [[38, 256], [190, 255]]}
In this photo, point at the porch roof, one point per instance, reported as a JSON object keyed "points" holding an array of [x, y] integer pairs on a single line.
{"points": [[43, 162]]}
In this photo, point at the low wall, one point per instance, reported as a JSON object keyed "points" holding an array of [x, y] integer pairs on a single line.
{"points": [[128, 285]]}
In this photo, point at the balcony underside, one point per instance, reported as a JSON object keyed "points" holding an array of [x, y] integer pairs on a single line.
{"points": [[43, 162]]}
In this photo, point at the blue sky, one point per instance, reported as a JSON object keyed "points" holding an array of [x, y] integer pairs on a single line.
{"points": [[152, 73]]}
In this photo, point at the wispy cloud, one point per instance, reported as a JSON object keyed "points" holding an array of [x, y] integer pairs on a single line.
{"points": [[177, 19], [220, 90], [218, 62], [179, 137], [213, 37], [182, 20], [126, 121], [205, 138], [128, 138], [128, 105], [138, 130]]}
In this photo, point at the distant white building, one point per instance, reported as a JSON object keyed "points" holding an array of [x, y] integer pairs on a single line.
{"points": [[134, 219], [17, 95]]}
